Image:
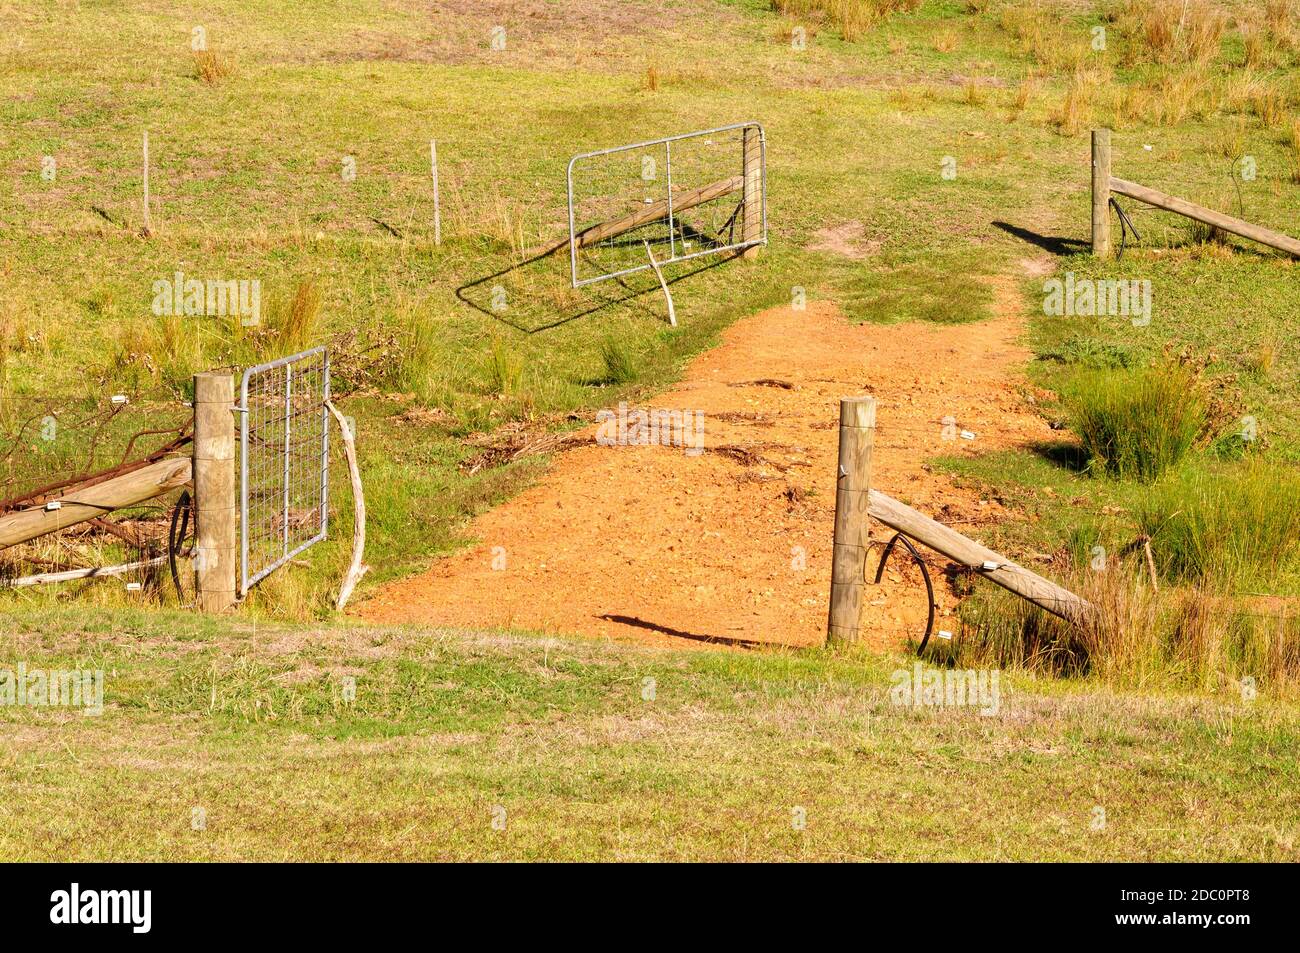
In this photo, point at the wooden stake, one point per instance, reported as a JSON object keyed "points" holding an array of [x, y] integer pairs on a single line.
{"points": [[148, 224], [357, 569], [1151, 564], [852, 494], [1154, 197], [1101, 193], [437, 211], [752, 228], [214, 491]]}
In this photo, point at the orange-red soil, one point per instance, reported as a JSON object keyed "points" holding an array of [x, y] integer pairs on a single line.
{"points": [[653, 544]]}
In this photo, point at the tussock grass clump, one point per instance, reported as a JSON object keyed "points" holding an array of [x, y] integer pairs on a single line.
{"points": [[1173, 31], [420, 359], [1293, 150], [1137, 423], [851, 17], [1202, 233], [295, 325], [945, 41], [1041, 34], [16, 335], [211, 67], [1075, 111], [1270, 104], [1175, 96], [620, 363], [504, 369], [1232, 525]]}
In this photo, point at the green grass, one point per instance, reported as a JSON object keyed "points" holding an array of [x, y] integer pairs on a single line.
{"points": [[1226, 525], [1137, 423], [435, 343], [413, 324], [605, 752]]}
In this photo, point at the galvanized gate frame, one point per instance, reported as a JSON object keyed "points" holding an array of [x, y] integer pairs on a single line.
{"points": [[247, 580], [673, 257]]}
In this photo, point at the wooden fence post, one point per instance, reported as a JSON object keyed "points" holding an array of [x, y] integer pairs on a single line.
{"points": [[852, 500], [214, 491], [752, 227], [1101, 193], [437, 205], [148, 223]]}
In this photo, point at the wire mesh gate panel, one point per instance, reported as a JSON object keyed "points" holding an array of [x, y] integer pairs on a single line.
{"points": [[700, 193], [283, 462]]}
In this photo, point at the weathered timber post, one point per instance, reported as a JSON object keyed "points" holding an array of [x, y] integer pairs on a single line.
{"points": [[752, 227], [1101, 193], [852, 500], [214, 491]]}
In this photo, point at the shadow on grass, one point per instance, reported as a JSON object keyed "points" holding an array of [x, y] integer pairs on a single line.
{"points": [[1052, 244], [633, 292], [679, 634], [1064, 454]]}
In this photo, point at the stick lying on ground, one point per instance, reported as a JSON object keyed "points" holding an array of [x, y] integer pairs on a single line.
{"points": [[642, 216], [95, 572], [1028, 585], [357, 569]]}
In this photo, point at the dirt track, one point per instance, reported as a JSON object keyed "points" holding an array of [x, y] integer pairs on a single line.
{"points": [[652, 544]]}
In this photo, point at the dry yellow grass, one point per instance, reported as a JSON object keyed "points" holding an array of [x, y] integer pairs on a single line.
{"points": [[1270, 104], [1294, 151], [1172, 31], [853, 18], [211, 67], [1076, 110]]}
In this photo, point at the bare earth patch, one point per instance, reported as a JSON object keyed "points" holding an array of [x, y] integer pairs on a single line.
{"points": [[848, 240], [652, 544]]}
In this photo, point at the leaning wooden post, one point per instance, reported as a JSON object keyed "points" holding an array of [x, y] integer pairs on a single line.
{"points": [[752, 214], [214, 491], [852, 500], [1101, 193]]}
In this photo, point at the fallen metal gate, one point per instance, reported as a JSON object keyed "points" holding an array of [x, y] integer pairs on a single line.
{"points": [[683, 188], [283, 462]]}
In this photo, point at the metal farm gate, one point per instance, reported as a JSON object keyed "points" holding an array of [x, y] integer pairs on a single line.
{"points": [[700, 193], [283, 462]]}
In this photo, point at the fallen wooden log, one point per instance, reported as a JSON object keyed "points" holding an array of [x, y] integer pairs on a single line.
{"points": [[992, 566], [86, 503], [1170, 203], [642, 216]]}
